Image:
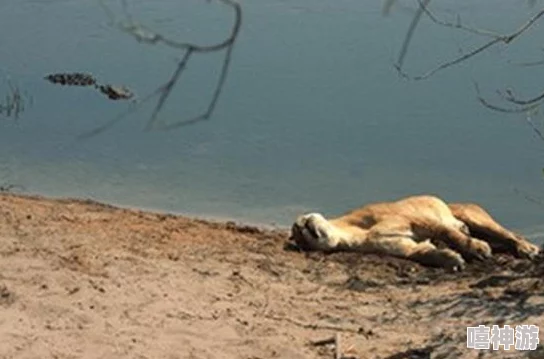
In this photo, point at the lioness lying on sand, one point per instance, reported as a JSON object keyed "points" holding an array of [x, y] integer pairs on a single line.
{"points": [[407, 228]]}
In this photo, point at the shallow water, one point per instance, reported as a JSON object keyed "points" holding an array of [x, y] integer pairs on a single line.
{"points": [[313, 115]]}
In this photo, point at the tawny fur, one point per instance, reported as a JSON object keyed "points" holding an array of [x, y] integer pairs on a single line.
{"points": [[410, 228]]}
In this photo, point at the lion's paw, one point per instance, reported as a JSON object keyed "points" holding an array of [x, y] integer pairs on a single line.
{"points": [[526, 249], [427, 254], [479, 249], [313, 232], [451, 260]]}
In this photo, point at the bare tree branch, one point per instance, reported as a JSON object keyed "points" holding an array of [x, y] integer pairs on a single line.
{"points": [[509, 96], [487, 104], [535, 129], [215, 97], [531, 63], [166, 89], [131, 109], [529, 110], [527, 106], [457, 24], [497, 38], [145, 35], [409, 36], [451, 63]]}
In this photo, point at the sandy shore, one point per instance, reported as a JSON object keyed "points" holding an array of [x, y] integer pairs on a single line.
{"points": [[79, 279]]}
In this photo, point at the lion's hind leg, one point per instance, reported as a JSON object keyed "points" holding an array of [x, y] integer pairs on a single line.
{"points": [[386, 238], [427, 254], [471, 248], [482, 225]]}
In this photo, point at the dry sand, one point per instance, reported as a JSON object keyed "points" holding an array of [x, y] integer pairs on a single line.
{"points": [[79, 279]]}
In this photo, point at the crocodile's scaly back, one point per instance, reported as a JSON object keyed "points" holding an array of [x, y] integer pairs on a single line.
{"points": [[72, 79], [84, 79]]}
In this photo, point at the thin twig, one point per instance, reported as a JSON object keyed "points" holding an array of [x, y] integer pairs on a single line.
{"points": [[453, 62], [131, 109], [525, 109], [456, 25], [530, 63], [487, 104], [166, 89], [509, 96], [410, 35], [535, 129], [423, 8], [215, 97]]}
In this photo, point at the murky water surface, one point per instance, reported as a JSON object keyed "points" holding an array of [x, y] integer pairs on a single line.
{"points": [[313, 115]]}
